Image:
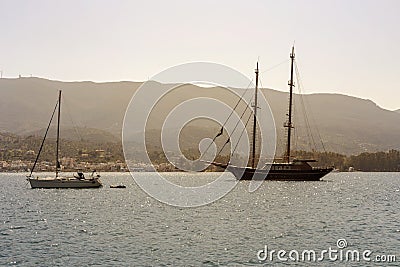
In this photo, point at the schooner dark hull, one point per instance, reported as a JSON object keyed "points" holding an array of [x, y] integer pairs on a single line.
{"points": [[278, 175]]}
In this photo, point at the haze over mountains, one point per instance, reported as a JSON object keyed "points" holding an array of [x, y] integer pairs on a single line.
{"points": [[346, 124]]}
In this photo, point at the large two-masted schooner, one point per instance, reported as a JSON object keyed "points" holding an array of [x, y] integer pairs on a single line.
{"points": [[290, 169]]}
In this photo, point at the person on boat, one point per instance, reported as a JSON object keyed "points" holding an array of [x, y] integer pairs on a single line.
{"points": [[97, 175], [81, 175]]}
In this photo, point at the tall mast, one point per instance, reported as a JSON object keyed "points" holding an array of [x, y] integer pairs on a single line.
{"points": [[255, 121], [58, 132], [289, 122]]}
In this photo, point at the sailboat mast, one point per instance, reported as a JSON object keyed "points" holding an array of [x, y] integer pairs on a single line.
{"points": [[289, 123], [58, 132], [253, 156]]}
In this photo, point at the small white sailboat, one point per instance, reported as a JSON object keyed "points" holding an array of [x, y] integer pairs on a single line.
{"points": [[76, 181]]}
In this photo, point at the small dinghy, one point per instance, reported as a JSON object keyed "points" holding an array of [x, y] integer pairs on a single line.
{"points": [[118, 186]]}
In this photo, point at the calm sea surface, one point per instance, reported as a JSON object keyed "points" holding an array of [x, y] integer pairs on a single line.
{"points": [[125, 227]]}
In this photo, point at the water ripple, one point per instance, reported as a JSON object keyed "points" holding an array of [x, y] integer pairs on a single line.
{"points": [[128, 228]]}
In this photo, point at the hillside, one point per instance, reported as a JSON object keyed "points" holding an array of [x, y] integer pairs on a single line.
{"points": [[26, 104], [82, 134], [347, 125]]}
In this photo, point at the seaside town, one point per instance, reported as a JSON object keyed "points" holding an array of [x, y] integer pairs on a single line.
{"points": [[27, 159], [18, 154], [18, 160]]}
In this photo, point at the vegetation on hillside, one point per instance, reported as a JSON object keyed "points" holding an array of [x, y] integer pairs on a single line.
{"points": [[369, 162], [13, 147]]}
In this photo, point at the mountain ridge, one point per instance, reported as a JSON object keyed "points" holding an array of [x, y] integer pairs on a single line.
{"points": [[347, 124]]}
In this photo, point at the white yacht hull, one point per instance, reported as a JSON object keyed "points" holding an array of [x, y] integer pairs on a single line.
{"points": [[62, 182]]}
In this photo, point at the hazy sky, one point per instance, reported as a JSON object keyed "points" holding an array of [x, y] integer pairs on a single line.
{"points": [[350, 47]]}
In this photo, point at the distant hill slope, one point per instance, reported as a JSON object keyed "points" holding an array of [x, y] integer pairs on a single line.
{"points": [[77, 134], [26, 104], [346, 124]]}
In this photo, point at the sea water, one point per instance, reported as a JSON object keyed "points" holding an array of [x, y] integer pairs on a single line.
{"points": [[126, 227]]}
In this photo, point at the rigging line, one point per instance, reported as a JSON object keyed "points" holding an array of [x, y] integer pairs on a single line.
{"points": [[44, 138], [275, 66], [313, 145], [296, 130], [257, 135], [74, 126], [241, 97], [294, 117], [306, 120], [241, 134], [313, 121], [295, 138], [312, 117], [307, 126], [222, 127], [234, 129]]}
